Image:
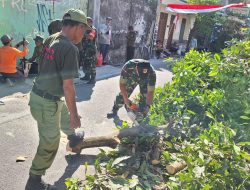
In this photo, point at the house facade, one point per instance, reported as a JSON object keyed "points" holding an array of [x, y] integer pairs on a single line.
{"points": [[173, 27]]}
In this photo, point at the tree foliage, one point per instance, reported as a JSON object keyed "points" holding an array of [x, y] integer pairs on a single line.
{"points": [[208, 105]]}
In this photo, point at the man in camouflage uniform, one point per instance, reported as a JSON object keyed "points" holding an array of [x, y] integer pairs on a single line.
{"points": [[131, 37], [89, 53], [135, 72], [36, 54]]}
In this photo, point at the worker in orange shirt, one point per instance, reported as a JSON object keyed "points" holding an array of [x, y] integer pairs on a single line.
{"points": [[8, 55]]}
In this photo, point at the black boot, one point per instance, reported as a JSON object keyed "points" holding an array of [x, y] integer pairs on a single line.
{"points": [[113, 113], [86, 77], [35, 182], [75, 141], [92, 79]]}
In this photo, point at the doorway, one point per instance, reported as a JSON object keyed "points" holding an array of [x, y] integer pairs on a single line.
{"points": [[183, 26], [162, 26]]}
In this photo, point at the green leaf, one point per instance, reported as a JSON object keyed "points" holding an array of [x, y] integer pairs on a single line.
{"points": [[118, 160], [166, 155], [245, 155], [217, 57], [244, 117], [191, 112], [206, 187], [134, 181], [213, 73], [68, 182], [208, 114], [243, 143], [236, 149]]}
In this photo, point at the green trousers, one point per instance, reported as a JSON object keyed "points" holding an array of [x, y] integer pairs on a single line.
{"points": [[51, 117]]}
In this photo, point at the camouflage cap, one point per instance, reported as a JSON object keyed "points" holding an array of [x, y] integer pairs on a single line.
{"points": [[75, 15], [38, 38], [6, 38]]}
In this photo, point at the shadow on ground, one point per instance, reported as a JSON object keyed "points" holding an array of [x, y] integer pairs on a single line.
{"points": [[74, 162], [84, 92], [24, 88]]}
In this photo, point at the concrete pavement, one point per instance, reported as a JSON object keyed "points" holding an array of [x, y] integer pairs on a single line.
{"points": [[19, 136]]}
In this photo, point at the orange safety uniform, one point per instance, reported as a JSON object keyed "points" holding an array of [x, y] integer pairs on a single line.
{"points": [[8, 57]]}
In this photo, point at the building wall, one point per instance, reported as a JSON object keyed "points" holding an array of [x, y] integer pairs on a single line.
{"points": [[190, 19], [140, 13], [189, 24], [27, 18]]}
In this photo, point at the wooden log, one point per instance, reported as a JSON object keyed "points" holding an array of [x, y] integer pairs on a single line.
{"points": [[155, 154], [175, 167], [113, 139], [101, 141]]}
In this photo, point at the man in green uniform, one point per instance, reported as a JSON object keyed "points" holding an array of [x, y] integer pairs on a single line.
{"points": [[89, 53], [135, 72], [36, 54], [58, 67], [131, 37]]}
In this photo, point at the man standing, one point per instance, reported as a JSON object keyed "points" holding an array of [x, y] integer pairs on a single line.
{"points": [[8, 56], [131, 37], [58, 68], [55, 26], [89, 53], [135, 72], [105, 37], [36, 54]]}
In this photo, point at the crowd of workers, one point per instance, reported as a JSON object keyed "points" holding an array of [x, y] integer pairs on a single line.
{"points": [[72, 43]]}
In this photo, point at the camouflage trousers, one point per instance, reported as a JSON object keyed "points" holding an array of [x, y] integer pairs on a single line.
{"points": [[130, 87], [89, 67]]}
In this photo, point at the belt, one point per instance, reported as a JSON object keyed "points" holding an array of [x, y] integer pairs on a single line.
{"points": [[44, 94]]}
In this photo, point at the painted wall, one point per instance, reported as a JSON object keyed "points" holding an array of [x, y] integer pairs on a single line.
{"points": [[27, 18], [140, 13]]}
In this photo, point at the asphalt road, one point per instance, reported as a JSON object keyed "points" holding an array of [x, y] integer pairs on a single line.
{"points": [[19, 136]]}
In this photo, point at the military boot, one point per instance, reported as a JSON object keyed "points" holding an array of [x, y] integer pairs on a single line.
{"points": [[92, 79], [35, 182], [75, 141], [86, 77], [113, 113]]}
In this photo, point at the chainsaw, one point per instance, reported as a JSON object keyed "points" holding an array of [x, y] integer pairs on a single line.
{"points": [[135, 113]]}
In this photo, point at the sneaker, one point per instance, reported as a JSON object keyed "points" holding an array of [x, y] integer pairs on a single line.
{"points": [[75, 141], [36, 183]]}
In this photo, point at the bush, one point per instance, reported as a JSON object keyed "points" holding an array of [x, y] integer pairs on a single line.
{"points": [[208, 104]]}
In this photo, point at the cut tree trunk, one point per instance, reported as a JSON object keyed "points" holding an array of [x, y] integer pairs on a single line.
{"points": [[176, 167], [113, 139]]}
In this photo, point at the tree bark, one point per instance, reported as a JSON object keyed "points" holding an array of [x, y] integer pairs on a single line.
{"points": [[113, 139], [176, 167]]}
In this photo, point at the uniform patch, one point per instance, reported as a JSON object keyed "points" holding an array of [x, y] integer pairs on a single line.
{"points": [[145, 71]]}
